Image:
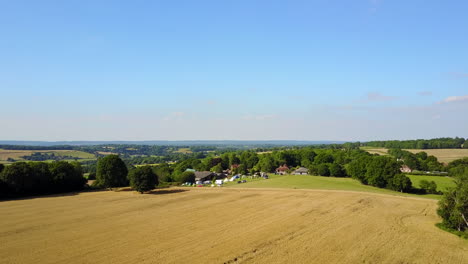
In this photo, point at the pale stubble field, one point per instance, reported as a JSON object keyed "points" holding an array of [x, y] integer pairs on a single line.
{"points": [[224, 225]]}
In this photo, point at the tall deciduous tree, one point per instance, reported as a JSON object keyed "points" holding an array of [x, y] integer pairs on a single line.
{"points": [[453, 207], [111, 171], [143, 179]]}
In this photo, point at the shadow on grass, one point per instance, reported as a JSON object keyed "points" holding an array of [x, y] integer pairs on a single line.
{"points": [[165, 191]]}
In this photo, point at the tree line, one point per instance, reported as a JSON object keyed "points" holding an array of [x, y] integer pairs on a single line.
{"points": [[33, 178], [436, 143]]}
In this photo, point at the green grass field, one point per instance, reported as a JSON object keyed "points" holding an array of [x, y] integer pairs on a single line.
{"points": [[18, 154], [320, 183], [442, 182]]}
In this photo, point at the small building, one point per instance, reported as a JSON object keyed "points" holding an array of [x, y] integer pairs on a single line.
{"points": [[405, 169], [204, 175], [282, 170], [301, 171]]}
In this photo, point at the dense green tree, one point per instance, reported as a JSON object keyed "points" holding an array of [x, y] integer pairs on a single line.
{"points": [[111, 172], [401, 183], [381, 170], [266, 163], [242, 169], [18, 178], [357, 168], [143, 179], [336, 170], [41, 176], [217, 168], [307, 157], [421, 155], [1, 167], [323, 169], [187, 176], [66, 176], [323, 157], [164, 172], [453, 207]]}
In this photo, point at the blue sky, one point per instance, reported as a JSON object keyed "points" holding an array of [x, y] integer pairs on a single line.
{"points": [[176, 70]]}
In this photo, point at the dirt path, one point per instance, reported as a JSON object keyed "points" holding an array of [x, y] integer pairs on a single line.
{"points": [[226, 226]]}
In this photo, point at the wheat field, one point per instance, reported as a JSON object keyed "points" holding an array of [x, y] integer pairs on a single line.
{"points": [[225, 225]]}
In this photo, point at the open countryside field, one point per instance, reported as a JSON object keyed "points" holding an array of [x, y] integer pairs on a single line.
{"points": [[17, 154], [443, 155], [442, 182], [226, 225], [329, 183]]}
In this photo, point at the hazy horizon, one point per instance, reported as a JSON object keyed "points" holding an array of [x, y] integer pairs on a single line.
{"points": [[244, 70]]}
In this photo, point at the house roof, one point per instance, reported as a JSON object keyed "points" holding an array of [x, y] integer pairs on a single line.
{"points": [[302, 169], [200, 175], [282, 168]]}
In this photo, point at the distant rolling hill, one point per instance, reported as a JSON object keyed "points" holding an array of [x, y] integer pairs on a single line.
{"points": [[172, 143]]}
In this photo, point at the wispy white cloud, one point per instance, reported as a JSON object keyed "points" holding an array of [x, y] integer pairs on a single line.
{"points": [[454, 99]]}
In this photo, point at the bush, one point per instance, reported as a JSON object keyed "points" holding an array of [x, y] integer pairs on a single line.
{"points": [[143, 179], [111, 172], [187, 176]]}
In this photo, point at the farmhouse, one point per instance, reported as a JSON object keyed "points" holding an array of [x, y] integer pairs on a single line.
{"points": [[282, 169], [405, 169], [301, 171]]}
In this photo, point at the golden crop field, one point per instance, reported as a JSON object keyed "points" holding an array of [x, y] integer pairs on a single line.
{"points": [[226, 225], [443, 155]]}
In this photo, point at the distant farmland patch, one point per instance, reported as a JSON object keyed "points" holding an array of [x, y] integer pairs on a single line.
{"points": [[183, 150], [17, 155], [443, 155]]}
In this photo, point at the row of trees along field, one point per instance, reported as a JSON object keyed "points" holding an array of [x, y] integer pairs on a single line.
{"points": [[32, 178], [436, 143], [419, 161]]}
